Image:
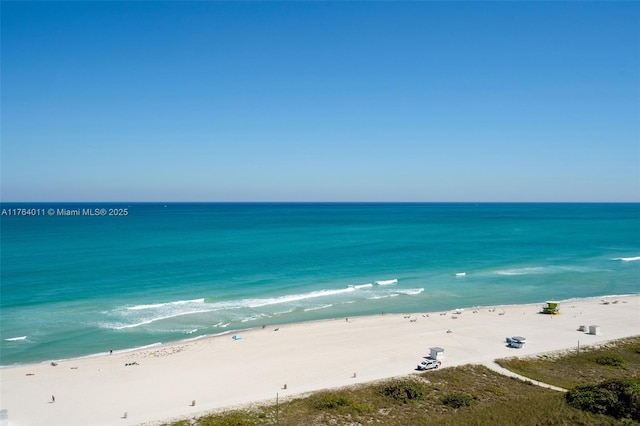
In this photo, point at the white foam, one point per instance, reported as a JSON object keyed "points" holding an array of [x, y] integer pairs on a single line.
{"points": [[252, 318], [359, 286], [145, 314], [411, 291], [160, 305], [256, 303], [150, 313], [379, 297], [461, 274], [152, 320], [316, 308], [550, 269], [521, 271], [627, 259], [14, 339]]}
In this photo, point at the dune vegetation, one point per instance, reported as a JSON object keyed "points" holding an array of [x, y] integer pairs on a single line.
{"points": [[469, 395]]}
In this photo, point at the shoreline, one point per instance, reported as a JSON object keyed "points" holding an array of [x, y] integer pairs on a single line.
{"points": [[244, 330], [158, 383]]}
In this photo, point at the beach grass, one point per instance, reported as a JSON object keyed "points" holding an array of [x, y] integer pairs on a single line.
{"points": [[465, 395], [615, 360]]}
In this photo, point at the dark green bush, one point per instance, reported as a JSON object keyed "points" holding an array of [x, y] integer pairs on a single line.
{"points": [[612, 360], [617, 398], [457, 400], [591, 398], [403, 390]]}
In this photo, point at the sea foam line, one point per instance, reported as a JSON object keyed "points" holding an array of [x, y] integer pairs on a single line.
{"points": [[521, 271], [627, 259], [382, 296], [359, 286], [411, 291], [15, 339], [387, 282], [195, 306], [179, 314], [317, 308], [256, 303], [535, 270], [160, 305]]}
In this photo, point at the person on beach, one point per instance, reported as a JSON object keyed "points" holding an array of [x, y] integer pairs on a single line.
{"points": [[53, 398]]}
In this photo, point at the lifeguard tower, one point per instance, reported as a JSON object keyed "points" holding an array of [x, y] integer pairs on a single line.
{"points": [[552, 308]]}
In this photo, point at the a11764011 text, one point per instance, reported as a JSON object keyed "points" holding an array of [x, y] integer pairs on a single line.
{"points": [[65, 212]]}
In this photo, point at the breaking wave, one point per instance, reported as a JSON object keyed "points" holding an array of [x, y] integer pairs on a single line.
{"points": [[221, 313], [369, 285], [16, 339], [627, 259], [160, 305]]}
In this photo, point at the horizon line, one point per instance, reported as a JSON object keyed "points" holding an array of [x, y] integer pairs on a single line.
{"points": [[309, 202]]}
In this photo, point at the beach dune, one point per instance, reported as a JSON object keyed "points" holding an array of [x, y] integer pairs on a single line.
{"points": [[191, 378]]}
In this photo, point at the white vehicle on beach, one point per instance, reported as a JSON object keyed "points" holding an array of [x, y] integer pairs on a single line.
{"points": [[428, 364]]}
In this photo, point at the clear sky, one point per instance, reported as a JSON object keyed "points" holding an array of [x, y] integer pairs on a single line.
{"points": [[320, 101]]}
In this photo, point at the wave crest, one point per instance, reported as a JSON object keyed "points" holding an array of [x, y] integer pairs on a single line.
{"points": [[628, 259], [246, 310], [15, 339], [160, 305]]}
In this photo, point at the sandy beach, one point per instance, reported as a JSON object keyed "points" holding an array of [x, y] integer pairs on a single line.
{"points": [[161, 383]]}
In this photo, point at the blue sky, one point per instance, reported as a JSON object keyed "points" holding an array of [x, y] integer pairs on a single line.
{"points": [[322, 101]]}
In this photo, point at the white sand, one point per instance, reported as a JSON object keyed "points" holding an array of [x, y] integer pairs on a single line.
{"points": [[221, 372]]}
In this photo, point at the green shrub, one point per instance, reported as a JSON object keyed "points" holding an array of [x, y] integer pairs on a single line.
{"points": [[457, 400], [617, 398], [338, 401], [611, 360], [361, 408], [329, 401], [591, 398], [229, 419], [403, 390]]}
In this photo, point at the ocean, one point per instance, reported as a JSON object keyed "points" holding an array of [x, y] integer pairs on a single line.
{"points": [[79, 279]]}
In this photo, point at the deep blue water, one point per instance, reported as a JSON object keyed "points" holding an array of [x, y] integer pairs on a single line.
{"points": [[80, 285]]}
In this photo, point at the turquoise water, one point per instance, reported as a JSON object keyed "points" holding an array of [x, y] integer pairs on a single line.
{"points": [[80, 285]]}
